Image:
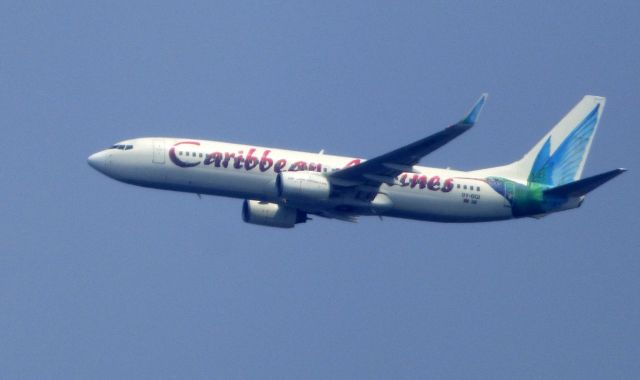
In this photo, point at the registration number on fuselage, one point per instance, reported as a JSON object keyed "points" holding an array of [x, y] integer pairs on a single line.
{"points": [[470, 198]]}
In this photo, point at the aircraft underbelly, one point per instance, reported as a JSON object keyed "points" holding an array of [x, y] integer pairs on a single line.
{"points": [[447, 207], [224, 181]]}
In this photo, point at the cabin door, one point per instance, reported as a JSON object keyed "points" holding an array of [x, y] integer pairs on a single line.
{"points": [[158, 151]]}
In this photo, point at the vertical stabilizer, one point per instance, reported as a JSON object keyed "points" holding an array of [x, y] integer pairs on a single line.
{"points": [[559, 157]]}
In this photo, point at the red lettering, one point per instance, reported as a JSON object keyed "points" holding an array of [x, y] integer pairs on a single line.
{"points": [[227, 157], [353, 163], [419, 179], [239, 160], [414, 181], [315, 167], [214, 157], [403, 180], [298, 166], [434, 183], [279, 165], [448, 185], [265, 161], [177, 161], [250, 162]]}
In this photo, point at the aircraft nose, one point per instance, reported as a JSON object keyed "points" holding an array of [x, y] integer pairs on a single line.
{"points": [[97, 161]]}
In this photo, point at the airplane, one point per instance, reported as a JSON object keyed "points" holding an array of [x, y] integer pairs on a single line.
{"points": [[282, 188]]}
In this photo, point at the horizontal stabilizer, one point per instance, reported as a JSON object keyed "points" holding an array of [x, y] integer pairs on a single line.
{"points": [[583, 186]]}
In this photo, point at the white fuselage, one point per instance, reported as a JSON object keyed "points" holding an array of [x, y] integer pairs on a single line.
{"points": [[249, 172]]}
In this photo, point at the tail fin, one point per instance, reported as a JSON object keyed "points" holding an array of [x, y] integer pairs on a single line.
{"points": [[559, 157]]}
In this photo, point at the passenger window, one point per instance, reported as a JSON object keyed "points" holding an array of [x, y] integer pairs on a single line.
{"points": [[465, 187], [180, 153], [458, 186], [200, 155], [478, 188]]}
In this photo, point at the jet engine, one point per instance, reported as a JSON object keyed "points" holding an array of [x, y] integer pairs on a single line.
{"points": [[271, 214], [303, 186]]}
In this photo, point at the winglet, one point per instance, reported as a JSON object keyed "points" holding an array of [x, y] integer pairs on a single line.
{"points": [[473, 114]]}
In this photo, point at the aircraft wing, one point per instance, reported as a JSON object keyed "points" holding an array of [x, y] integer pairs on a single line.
{"points": [[370, 174]]}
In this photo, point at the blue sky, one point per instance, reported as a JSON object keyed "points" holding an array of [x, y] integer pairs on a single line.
{"points": [[104, 280]]}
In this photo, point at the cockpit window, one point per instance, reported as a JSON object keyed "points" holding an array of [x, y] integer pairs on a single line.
{"points": [[122, 147]]}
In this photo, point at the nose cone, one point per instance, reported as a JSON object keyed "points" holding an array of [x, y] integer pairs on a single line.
{"points": [[97, 161]]}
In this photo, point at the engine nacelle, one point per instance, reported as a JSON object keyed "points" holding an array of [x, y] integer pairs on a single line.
{"points": [[271, 214], [303, 186]]}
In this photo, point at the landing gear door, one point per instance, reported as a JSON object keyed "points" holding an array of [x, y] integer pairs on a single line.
{"points": [[158, 151]]}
